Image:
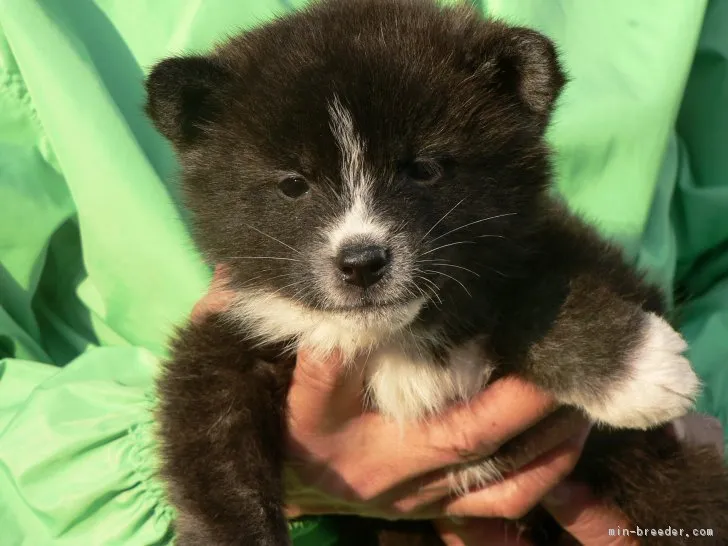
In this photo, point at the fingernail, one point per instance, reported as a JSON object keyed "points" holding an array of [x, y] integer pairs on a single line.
{"points": [[457, 521]]}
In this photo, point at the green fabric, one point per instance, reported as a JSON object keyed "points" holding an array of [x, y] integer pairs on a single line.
{"points": [[96, 265]]}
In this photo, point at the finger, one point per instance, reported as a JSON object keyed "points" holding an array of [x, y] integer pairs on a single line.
{"points": [[217, 299], [481, 426], [220, 276], [384, 460], [466, 433], [557, 428], [587, 519], [516, 495], [547, 435], [324, 394], [699, 430], [479, 532]]}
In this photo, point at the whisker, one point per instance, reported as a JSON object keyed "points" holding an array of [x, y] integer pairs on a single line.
{"points": [[441, 219], [450, 277], [484, 236], [407, 289], [296, 297], [260, 258], [273, 238], [447, 245], [432, 297], [499, 272], [422, 293], [442, 264], [445, 263], [287, 286], [471, 223], [248, 282], [434, 287], [281, 276]]}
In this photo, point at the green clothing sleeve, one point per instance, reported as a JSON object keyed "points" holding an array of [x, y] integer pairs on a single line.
{"points": [[699, 213], [97, 266]]}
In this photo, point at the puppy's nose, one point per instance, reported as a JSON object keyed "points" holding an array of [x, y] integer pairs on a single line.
{"points": [[363, 265]]}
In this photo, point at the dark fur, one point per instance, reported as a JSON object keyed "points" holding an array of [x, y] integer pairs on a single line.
{"points": [[553, 302]]}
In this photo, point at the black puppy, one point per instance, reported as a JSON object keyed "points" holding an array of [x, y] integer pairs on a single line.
{"points": [[375, 176]]}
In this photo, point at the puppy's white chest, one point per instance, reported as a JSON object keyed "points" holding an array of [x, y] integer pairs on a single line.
{"points": [[406, 384]]}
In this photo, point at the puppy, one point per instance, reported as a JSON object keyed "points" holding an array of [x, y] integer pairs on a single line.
{"points": [[375, 176]]}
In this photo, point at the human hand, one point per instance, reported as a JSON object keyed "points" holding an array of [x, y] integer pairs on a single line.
{"points": [[585, 519], [344, 459]]}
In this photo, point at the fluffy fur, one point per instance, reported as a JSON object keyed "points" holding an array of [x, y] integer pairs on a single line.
{"points": [[409, 136]]}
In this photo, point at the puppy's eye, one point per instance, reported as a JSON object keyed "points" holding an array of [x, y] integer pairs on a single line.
{"points": [[293, 187], [423, 171]]}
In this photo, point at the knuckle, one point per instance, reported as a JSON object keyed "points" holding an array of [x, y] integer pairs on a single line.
{"points": [[365, 488], [514, 508]]}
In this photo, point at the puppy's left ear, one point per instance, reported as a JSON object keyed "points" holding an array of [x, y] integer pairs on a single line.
{"points": [[522, 63]]}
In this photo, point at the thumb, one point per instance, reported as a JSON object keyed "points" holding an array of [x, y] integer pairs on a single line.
{"points": [[585, 518], [323, 392]]}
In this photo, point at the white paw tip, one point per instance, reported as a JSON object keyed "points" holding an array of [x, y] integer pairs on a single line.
{"points": [[660, 385]]}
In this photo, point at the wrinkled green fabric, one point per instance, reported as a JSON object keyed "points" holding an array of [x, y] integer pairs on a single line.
{"points": [[96, 265]]}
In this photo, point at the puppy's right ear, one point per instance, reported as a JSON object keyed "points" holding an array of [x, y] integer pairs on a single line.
{"points": [[184, 95]]}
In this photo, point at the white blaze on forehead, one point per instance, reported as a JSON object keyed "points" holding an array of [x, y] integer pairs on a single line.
{"points": [[359, 220], [357, 181]]}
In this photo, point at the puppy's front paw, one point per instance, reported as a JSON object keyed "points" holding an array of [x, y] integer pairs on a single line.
{"points": [[659, 383]]}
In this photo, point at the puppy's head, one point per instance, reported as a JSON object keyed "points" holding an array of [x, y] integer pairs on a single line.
{"points": [[357, 161]]}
